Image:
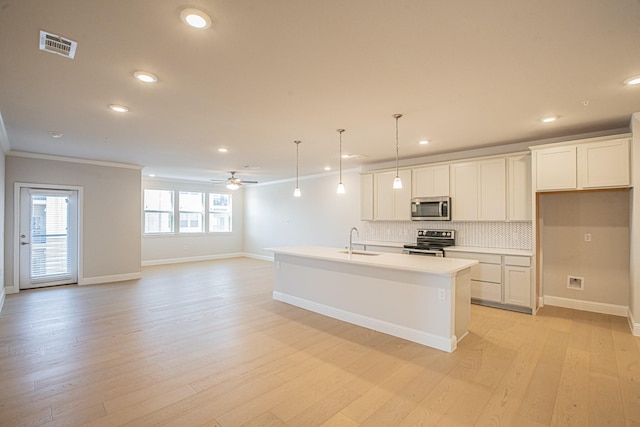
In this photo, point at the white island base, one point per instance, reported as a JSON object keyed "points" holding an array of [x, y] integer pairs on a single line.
{"points": [[422, 299]]}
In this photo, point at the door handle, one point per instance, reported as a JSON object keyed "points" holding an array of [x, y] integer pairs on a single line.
{"points": [[24, 243]]}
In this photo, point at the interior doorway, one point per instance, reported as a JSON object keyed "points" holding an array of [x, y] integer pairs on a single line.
{"points": [[48, 236]]}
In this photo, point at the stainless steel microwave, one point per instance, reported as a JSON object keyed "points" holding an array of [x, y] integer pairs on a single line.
{"points": [[431, 209]]}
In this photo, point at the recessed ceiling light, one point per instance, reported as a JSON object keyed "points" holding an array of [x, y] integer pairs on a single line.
{"points": [[632, 81], [143, 76], [423, 142], [119, 108], [55, 134], [549, 119], [223, 150], [195, 18]]}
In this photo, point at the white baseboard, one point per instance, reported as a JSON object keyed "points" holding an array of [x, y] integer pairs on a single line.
{"points": [[106, 279], [420, 337], [260, 257], [635, 326], [594, 307], [190, 259]]}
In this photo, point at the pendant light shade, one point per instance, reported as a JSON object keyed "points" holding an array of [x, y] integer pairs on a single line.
{"points": [[296, 192], [340, 189], [397, 182]]}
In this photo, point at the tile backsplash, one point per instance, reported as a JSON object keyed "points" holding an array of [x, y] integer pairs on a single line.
{"points": [[511, 235]]}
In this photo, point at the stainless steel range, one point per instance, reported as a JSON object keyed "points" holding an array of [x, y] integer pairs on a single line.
{"points": [[431, 242]]}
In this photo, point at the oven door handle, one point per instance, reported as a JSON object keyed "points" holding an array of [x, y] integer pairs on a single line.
{"points": [[423, 251]]}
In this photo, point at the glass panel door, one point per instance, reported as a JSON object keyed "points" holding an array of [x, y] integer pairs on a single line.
{"points": [[48, 238]]}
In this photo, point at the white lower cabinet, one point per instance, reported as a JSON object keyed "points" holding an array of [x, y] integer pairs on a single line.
{"points": [[500, 279], [517, 285]]}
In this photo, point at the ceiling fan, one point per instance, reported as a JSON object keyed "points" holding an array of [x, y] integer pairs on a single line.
{"points": [[233, 183]]}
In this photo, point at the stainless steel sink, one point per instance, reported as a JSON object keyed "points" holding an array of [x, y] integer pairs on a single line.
{"points": [[361, 253]]}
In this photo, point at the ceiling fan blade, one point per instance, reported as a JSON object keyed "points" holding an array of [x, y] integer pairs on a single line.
{"points": [[248, 182]]}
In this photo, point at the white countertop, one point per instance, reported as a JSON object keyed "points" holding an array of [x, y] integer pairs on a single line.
{"points": [[381, 243], [474, 249], [433, 265], [493, 251]]}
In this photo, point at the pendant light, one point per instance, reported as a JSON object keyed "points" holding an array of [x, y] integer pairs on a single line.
{"points": [[296, 192], [340, 189], [397, 182]]}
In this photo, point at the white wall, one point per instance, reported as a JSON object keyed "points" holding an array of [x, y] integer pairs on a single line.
{"points": [[192, 247], [2, 215], [603, 262], [111, 213], [273, 217], [634, 289]]}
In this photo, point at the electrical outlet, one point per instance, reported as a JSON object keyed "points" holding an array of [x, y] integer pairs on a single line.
{"points": [[587, 237], [442, 294]]}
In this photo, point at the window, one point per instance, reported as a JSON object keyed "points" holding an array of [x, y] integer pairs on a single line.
{"points": [[219, 213], [191, 212], [186, 212], [158, 211]]}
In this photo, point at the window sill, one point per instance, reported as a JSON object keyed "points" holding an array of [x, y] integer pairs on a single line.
{"points": [[211, 233]]}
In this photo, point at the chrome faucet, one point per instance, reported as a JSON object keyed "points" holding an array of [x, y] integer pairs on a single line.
{"points": [[351, 238]]}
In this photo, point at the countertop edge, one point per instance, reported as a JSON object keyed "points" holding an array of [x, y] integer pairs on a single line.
{"points": [[479, 249], [366, 260], [495, 251]]}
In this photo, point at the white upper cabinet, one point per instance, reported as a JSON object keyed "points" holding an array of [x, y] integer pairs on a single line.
{"points": [[366, 197], [430, 181], [519, 187], [582, 165], [556, 168], [478, 190], [493, 190], [464, 191], [391, 204], [604, 164]]}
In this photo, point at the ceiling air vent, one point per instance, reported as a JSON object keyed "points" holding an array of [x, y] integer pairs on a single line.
{"points": [[56, 44]]}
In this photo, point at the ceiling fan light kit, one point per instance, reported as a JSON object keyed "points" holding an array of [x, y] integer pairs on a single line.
{"points": [[233, 182]]}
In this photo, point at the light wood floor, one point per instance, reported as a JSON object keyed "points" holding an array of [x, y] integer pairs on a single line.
{"points": [[204, 344]]}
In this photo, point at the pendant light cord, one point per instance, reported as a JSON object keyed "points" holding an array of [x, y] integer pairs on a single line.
{"points": [[397, 116], [297, 161], [340, 132]]}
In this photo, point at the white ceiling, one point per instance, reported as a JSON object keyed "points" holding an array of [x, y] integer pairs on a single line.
{"points": [[464, 74]]}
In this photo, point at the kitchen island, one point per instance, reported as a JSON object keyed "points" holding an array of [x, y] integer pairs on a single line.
{"points": [[418, 298]]}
